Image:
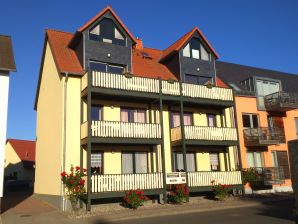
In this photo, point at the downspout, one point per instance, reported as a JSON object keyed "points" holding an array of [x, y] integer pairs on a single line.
{"points": [[64, 202]]}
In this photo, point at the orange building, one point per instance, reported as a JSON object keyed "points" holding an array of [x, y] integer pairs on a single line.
{"points": [[267, 117]]}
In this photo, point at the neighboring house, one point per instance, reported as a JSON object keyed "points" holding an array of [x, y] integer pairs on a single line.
{"points": [[132, 131], [20, 160], [267, 114], [7, 65]]}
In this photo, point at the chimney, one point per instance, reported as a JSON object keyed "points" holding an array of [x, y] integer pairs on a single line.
{"points": [[139, 45]]}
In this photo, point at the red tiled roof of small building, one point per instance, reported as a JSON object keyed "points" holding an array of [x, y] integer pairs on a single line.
{"points": [[25, 149]]}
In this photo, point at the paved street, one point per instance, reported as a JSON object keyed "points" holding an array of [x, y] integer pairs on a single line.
{"points": [[271, 213]]}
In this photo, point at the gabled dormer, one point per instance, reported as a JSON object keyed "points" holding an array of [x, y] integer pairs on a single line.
{"points": [[191, 58], [104, 43]]}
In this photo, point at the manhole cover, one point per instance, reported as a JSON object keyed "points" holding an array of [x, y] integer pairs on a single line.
{"points": [[24, 216]]}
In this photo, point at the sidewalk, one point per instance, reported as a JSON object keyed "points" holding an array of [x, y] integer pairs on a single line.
{"points": [[33, 210]]}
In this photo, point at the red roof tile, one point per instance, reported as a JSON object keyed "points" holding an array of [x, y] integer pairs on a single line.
{"points": [[221, 83], [108, 8], [149, 66], [175, 47], [25, 149], [65, 58]]}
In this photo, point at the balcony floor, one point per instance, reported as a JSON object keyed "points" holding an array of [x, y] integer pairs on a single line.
{"points": [[205, 142]]}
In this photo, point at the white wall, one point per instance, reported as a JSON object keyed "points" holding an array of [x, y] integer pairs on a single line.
{"points": [[4, 87]]}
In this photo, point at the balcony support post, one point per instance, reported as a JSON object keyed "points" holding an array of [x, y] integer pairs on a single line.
{"points": [[89, 133], [81, 168], [238, 145], [183, 132], [163, 159]]}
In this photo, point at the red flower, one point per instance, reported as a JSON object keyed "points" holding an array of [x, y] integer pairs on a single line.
{"points": [[82, 182], [77, 168], [85, 170], [63, 174], [71, 181]]}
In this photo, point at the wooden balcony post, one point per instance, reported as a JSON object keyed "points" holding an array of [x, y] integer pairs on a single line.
{"points": [[183, 132], [89, 133], [162, 143]]}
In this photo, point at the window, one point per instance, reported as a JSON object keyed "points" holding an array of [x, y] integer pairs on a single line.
{"points": [[250, 120], [280, 159], [104, 67], [265, 87], [106, 31], [194, 49], [96, 112], [296, 123], [255, 159], [214, 161], [199, 80], [134, 162], [188, 119], [190, 162], [133, 115], [96, 163], [186, 51], [211, 120], [205, 55]]}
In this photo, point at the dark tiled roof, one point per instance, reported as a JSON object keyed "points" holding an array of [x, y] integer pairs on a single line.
{"points": [[234, 73], [7, 62], [25, 149]]}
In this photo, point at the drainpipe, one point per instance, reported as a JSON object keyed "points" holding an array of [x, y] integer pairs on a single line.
{"points": [[64, 201]]}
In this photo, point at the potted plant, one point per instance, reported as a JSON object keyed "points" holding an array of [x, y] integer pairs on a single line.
{"points": [[209, 84], [179, 195], [220, 191], [128, 75], [171, 81], [74, 185], [134, 199]]}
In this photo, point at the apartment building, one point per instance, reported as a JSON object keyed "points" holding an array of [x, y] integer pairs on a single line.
{"points": [[135, 117], [267, 115], [7, 65]]}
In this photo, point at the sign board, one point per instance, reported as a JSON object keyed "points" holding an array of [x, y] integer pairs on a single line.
{"points": [[176, 178]]}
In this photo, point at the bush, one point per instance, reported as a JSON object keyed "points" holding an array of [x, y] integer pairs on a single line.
{"points": [[250, 175], [221, 191], [179, 195], [134, 199], [74, 184]]}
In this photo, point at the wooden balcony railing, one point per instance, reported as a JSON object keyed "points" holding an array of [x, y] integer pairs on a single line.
{"points": [[116, 129], [149, 85], [125, 182], [261, 136], [281, 101], [199, 179], [204, 133]]}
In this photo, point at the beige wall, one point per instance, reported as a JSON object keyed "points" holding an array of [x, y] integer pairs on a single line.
{"points": [[49, 129]]}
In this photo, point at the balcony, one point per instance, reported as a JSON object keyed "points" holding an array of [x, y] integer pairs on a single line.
{"points": [[125, 182], [123, 85], [122, 132], [204, 179], [207, 135], [263, 136], [281, 101], [269, 175]]}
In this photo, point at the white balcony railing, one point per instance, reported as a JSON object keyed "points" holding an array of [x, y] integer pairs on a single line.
{"points": [[200, 179], [125, 182], [149, 85], [204, 133], [116, 129], [117, 81]]}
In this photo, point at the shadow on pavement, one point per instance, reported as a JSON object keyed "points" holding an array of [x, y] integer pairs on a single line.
{"points": [[13, 198]]}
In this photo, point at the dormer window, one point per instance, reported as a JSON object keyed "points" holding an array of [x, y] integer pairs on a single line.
{"points": [[106, 31], [194, 49]]}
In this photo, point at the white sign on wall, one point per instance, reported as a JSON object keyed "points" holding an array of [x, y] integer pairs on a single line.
{"points": [[176, 178]]}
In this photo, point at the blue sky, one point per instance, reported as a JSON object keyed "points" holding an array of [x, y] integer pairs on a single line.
{"points": [[250, 32]]}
